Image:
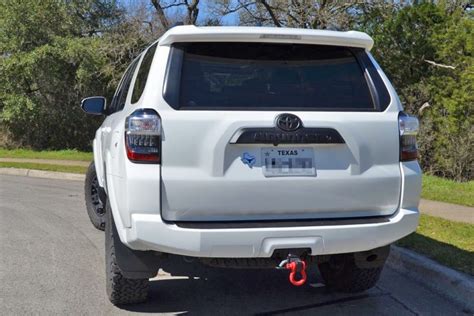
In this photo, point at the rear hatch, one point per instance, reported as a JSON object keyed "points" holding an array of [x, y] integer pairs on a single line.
{"points": [[275, 131]]}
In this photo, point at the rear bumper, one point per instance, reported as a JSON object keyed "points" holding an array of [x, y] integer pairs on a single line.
{"points": [[149, 232]]}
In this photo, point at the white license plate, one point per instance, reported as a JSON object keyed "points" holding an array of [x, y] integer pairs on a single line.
{"points": [[283, 162]]}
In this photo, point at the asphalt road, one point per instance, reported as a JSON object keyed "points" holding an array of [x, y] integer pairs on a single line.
{"points": [[52, 262]]}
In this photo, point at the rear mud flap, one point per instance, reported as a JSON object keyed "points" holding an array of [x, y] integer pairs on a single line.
{"points": [[135, 264]]}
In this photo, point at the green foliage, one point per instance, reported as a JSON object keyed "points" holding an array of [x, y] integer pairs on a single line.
{"points": [[427, 51], [54, 53], [29, 24], [403, 42], [41, 90], [453, 100]]}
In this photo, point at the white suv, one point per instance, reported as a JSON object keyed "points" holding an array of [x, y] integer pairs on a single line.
{"points": [[254, 146]]}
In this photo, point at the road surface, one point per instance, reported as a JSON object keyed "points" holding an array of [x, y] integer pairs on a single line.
{"points": [[52, 262]]}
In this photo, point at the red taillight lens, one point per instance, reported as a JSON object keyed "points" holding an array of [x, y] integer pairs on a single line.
{"points": [[143, 136], [408, 126]]}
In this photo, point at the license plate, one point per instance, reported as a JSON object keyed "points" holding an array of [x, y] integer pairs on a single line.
{"points": [[283, 162]]}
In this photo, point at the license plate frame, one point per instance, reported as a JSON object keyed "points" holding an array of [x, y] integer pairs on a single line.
{"points": [[288, 162]]}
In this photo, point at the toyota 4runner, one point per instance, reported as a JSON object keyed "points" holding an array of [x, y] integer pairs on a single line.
{"points": [[254, 147]]}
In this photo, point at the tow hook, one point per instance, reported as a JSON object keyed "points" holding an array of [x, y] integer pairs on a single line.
{"points": [[296, 266]]}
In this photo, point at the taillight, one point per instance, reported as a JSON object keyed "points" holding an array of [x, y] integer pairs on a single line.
{"points": [[408, 126], [143, 136]]}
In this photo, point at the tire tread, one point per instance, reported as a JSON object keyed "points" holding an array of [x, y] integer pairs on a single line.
{"points": [[121, 290], [348, 277]]}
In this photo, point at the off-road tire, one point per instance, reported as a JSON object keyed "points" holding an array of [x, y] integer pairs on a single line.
{"points": [[95, 201], [341, 274], [120, 290]]}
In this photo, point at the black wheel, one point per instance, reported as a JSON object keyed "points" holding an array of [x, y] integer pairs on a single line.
{"points": [[120, 289], [342, 274], [95, 199]]}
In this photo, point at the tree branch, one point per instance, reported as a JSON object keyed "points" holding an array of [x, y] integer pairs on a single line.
{"points": [[174, 5], [193, 11], [238, 8], [161, 14], [270, 11], [439, 65], [252, 15], [423, 108]]}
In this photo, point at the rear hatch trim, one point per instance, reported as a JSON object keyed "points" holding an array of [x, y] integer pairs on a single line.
{"points": [[276, 136], [289, 223]]}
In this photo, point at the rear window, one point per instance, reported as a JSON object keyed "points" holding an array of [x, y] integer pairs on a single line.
{"points": [[262, 76]]}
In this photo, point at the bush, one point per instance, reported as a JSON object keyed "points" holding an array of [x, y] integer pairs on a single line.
{"points": [[427, 50], [53, 54]]}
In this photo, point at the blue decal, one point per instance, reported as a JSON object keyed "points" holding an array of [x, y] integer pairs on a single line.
{"points": [[248, 159]]}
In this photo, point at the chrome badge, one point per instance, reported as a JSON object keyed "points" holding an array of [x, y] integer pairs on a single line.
{"points": [[248, 159]]}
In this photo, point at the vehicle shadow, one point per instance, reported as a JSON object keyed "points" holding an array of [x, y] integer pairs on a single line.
{"points": [[198, 289], [444, 253]]}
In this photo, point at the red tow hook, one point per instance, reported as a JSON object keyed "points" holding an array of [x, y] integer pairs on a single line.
{"points": [[295, 265]]}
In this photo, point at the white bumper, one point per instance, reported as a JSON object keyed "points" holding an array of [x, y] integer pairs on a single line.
{"points": [[149, 232]]}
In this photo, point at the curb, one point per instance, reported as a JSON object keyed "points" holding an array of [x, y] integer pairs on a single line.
{"points": [[450, 283], [42, 174]]}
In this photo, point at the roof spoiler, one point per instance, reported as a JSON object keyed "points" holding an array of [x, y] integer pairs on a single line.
{"points": [[191, 33]]}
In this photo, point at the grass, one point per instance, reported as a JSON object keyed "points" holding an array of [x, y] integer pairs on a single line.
{"points": [[46, 167], [440, 189], [450, 243], [67, 154]]}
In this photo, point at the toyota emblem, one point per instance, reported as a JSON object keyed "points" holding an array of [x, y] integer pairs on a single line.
{"points": [[288, 122]]}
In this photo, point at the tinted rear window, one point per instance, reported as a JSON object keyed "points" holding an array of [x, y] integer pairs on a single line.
{"points": [[269, 76]]}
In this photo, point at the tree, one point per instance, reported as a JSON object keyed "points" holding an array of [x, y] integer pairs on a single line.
{"points": [[427, 51], [52, 56], [192, 11], [320, 14], [453, 98]]}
